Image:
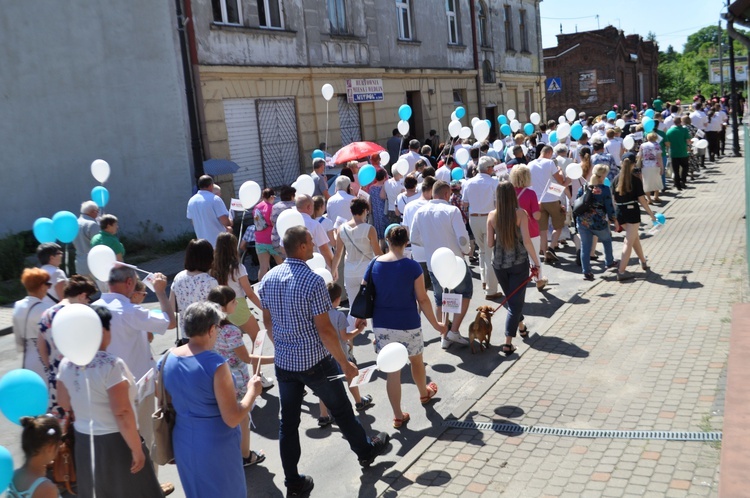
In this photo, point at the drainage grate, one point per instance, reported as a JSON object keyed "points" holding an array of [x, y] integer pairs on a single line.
{"points": [[586, 433]]}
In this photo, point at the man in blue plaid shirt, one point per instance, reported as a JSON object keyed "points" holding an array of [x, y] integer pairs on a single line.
{"points": [[307, 349]]}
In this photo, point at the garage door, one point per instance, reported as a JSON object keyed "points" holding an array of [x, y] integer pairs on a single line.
{"points": [[244, 142], [349, 121]]}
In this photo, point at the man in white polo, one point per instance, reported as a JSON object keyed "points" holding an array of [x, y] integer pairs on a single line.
{"points": [[208, 212]]}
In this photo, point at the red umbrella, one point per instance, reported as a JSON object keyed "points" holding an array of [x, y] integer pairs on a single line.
{"points": [[356, 151]]}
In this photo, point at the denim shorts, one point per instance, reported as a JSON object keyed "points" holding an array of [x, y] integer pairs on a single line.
{"points": [[465, 288], [269, 248]]}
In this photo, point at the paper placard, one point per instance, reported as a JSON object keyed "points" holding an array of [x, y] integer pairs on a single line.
{"points": [[700, 134], [148, 280], [260, 339], [236, 205], [555, 189], [340, 220], [363, 195], [637, 135], [452, 303], [145, 385], [659, 140], [365, 375]]}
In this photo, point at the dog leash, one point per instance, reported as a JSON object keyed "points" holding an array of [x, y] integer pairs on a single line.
{"points": [[533, 274]]}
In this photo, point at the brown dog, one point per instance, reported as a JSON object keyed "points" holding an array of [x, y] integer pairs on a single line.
{"points": [[481, 328]]}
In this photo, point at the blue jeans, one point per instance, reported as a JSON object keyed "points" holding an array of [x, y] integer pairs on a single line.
{"points": [[333, 394], [587, 240], [510, 279]]}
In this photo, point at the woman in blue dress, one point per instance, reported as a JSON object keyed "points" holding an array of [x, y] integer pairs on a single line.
{"points": [[377, 201], [206, 436]]}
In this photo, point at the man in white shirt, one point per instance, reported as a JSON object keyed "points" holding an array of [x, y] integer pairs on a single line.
{"points": [[393, 187], [304, 204], [417, 251], [413, 155], [87, 228], [479, 196], [545, 171], [129, 327], [339, 203], [699, 119], [715, 123], [208, 212], [443, 173], [410, 194], [440, 224], [319, 178]]}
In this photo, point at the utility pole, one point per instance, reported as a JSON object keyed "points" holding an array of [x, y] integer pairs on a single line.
{"points": [[721, 64], [735, 100]]}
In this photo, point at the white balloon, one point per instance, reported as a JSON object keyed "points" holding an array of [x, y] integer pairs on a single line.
{"points": [[628, 142], [457, 276], [620, 123], [498, 146], [392, 357], [77, 332], [323, 272], [474, 120], [444, 266], [101, 259], [563, 131], [403, 127], [535, 118], [511, 114], [288, 219], [385, 158], [249, 194], [561, 120], [462, 156], [327, 91], [524, 149], [570, 114], [402, 166], [454, 128], [317, 261], [574, 171], [702, 144], [304, 185], [100, 170], [465, 132], [453, 116], [481, 130], [515, 125]]}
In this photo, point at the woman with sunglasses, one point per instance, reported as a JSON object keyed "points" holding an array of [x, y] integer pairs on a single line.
{"points": [[628, 192], [26, 315]]}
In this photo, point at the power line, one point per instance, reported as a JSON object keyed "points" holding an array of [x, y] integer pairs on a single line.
{"points": [[566, 18]]}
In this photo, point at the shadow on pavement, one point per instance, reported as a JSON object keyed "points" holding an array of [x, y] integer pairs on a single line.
{"points": [[552, 344], [509, 411], [683, 283]]}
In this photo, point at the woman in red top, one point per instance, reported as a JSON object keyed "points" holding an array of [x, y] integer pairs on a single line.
{"points": [[520, 177], [263, 228]]}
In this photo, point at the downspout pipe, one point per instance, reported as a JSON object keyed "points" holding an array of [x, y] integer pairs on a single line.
{"points": [[735, 35], [474, 45]]}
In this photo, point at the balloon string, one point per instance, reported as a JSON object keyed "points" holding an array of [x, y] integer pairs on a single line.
{"points": [[91, 435], [241, 233], [120, 263], [67, 261], [325, 149]]}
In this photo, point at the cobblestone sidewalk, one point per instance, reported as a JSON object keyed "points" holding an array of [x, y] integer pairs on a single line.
{"points": [[649, 354]]}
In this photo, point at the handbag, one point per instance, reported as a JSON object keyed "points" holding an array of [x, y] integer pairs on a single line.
{"points": [[163, 419], [363, 305], [584, 203], [64, 465]]}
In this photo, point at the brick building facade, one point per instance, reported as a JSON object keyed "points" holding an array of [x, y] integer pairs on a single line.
{"points": [[600, 68]]}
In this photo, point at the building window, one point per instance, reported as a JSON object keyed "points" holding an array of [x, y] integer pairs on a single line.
{"points": [[508, 19], [337, 17], [528, 100], [227, 11], [484, 40], [269, 13], [487, 72], [524, 32], [451, 11], [403, 13], [458, 97]]}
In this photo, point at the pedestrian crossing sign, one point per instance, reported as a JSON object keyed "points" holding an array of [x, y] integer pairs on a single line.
{"points": [[554, 85]]}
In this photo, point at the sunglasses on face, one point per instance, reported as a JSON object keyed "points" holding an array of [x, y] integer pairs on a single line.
{"points": [[48, 284], [636, 170]]}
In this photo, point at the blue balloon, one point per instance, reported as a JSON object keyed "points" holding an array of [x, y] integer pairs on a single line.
{"points": [[460, 112], [489, 123], [607, 182], [505, 130], [648, 125], [43, 230], [528, 129], [660, 218], [6, 468], [404, 112], [317, 153], [502, 120], [553, 137], [100, 195], [65, 224], [576, 131], [611, 115], [457, 173], [366, 175], [22, 394], [650, 113]]}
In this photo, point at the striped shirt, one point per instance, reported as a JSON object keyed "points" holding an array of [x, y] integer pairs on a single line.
{"points": [[294, 295]]}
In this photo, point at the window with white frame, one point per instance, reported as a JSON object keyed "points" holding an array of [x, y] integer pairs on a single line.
{"points": [[484, 40], [524, 31], [337, 17], [403, 14], [507, 18], [227, 11], [269, 14], [451, 11]]}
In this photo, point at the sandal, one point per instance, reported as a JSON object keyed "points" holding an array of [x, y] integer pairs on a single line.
{"points": [[254, 458], [523, 333], [398, 422], [508, 349], [432, 390]]}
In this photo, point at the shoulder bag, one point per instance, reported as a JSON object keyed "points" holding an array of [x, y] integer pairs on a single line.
{"points": [[64, 465], [585, 203], [25, 330], [163, 419], [364, 303]]}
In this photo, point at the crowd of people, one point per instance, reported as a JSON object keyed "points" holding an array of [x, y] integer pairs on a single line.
{"points": [[505, 211]]}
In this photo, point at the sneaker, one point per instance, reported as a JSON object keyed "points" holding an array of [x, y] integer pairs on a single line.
{"points": [[325, 421], [550, 256], [266, 382], [300, 489], [379, 444], [588, 276], [626, 275], [445, 343], [613, 265], [541, 284], [456, 337], [365, 403]]}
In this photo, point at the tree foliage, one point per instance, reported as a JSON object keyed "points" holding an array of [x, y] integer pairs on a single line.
{"points": [[682, 74]]}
